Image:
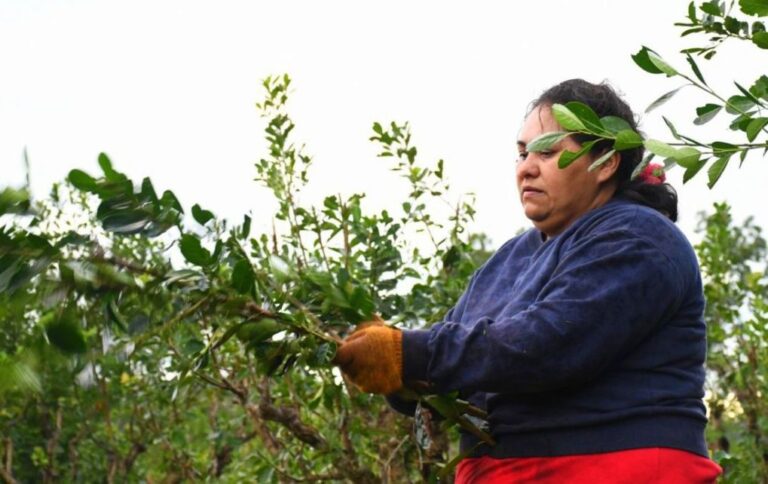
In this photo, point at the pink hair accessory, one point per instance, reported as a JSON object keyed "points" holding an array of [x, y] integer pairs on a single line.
{"points": [[653, 174]]}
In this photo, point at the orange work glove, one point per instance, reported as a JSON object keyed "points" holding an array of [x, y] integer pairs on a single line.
{"points": [[372, 358]]}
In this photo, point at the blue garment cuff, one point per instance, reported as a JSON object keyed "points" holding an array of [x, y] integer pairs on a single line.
{"points": [[415, 355]]}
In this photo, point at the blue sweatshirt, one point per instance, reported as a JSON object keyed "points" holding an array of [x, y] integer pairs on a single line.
{"points": [[593, 341]]}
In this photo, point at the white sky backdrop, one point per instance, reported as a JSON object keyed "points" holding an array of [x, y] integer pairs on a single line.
{"points": [[167, 88]]}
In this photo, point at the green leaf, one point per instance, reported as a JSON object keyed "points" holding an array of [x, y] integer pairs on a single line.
{"points": [[192, 347], [113, 314], [125, 222], [14, 201], [758, 8], [660, 148], [242, 277], [587, 116], [760, 87], [201, 215], [748, 94], [82, 181], [567, 119], [706, 113], [690, 31], [546, 140], [642, 59], [754, 127], [693, 169], [23, 376], [169, 200], [732, 25], [687, 156], [65, 334], [739, 104], [568, 157], [192, 250], [671, 127], [259, 331], [598, 162], [684, 156], [695, 69], [627, 139], [720, 148], [245, 229], [662, 65], [712, 8], [280, 268], [110, 276], [80, 274], [147, 192], [741, 122], [717, 169], [614, 124], [109, 172], [16, 373], [662, 99], [641, 166], [760, 39], [218, 249]]}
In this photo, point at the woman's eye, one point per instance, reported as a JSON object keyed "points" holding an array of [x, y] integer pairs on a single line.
{"points": [[545, 154]]}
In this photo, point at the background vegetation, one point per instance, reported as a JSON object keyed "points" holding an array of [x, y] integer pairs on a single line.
{"points": [[147, 340]]}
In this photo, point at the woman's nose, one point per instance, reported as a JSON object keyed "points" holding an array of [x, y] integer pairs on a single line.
{"points": [[528, 167]]}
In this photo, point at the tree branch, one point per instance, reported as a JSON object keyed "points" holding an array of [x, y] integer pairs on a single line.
{"points": [[6, 471], [290, 419]]}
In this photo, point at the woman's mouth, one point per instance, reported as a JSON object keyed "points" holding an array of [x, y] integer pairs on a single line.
{"points": [[530, 192]]}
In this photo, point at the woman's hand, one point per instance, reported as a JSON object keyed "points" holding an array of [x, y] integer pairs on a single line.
{"points": [[372, 358]]}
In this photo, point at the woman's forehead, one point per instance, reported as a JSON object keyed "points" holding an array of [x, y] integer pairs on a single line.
{"points": [[536, 123]]}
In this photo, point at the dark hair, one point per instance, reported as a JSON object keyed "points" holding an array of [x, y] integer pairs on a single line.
{"points": [[604, 101]]}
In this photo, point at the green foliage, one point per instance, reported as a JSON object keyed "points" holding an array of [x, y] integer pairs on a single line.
{"points": [[140, 346], [182, 355], [14, 201], [745, 105], [736, 287], [64, 332], [124, 210]]}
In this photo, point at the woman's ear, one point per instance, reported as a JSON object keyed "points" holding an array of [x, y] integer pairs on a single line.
{"points": [[608, 168]]}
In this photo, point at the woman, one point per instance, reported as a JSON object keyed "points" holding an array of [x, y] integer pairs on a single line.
{"points": [[583, 338]]}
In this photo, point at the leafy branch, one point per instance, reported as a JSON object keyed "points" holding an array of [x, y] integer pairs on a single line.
{"points": [[692, 155]]}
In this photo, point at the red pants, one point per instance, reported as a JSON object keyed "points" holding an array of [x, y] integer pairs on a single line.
{"points": [[641, 466]]}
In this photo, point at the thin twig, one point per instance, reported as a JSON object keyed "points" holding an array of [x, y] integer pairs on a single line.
{"points": [[180, 316], [345, 234], [304, 309], [319, 232]]}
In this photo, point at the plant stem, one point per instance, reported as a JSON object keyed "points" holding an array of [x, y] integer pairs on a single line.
{"points": [[711, 92], [171, 322]]}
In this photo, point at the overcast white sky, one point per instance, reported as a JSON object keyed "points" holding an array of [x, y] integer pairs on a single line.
{"points": [[167, 90]]}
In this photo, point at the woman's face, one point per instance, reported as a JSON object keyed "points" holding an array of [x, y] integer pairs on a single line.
{"points": [[553, 198]]}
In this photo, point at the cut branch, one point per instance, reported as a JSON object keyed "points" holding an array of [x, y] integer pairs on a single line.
{"points": [[290, 419]]}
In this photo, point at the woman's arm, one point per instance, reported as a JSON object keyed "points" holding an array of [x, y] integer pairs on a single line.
{"points": [[607, 293]]}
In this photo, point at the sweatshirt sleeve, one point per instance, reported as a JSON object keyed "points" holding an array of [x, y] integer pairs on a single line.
{"points": [[606, 294]]}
